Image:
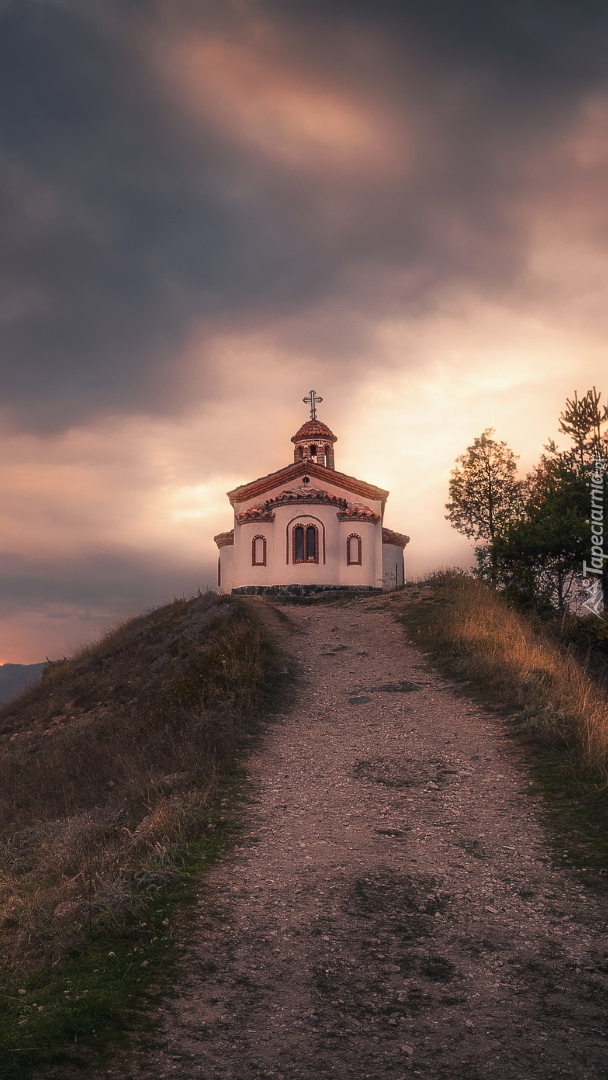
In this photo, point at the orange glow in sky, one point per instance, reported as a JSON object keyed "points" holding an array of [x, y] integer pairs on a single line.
{"points": [[231, 204]]}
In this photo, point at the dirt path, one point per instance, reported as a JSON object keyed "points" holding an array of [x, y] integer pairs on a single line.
{"points": [[393, 910]]}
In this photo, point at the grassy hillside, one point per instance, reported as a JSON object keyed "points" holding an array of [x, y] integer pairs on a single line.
{"points": [[551, 701], [111, 775]]}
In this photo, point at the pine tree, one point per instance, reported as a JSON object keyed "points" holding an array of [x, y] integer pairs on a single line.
{"points": [[582, 421]]}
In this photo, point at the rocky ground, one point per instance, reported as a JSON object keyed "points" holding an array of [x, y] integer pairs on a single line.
{"points": [[393, 909]]}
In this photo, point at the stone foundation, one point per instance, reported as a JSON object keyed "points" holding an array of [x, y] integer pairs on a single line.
{"points": [[303, 590]]}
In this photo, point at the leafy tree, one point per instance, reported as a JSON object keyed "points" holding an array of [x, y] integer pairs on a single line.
{"points": [[485, 494], [538, 558]]}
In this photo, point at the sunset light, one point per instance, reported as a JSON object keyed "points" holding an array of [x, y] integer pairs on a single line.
{"points": [[411, 222]]}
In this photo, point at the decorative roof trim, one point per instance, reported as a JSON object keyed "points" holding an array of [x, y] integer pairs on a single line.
{"points": [[306, 495], [359, 513], [224, 539], [297, 497], [255, 513], [398, 539], [306, 467]]}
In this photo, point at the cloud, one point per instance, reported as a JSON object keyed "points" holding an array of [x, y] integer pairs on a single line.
{"points": [[263, 105], [206, 208], [51, 607], [174, 169]]}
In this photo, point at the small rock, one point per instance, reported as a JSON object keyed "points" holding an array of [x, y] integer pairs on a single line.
{"points": [[407, 1049]]}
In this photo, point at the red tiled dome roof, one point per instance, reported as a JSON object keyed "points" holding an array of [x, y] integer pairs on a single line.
{"points": [[312, 428]]}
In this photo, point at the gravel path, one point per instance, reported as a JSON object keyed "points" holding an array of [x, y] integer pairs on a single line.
{"points": [[392, 910]]}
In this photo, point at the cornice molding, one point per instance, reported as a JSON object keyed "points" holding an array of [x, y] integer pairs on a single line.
{"points": [[224, 539]]}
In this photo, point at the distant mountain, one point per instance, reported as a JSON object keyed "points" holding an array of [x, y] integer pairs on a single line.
{"points": [[17, 677]]}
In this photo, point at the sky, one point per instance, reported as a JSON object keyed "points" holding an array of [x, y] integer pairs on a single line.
{"points": [[209, 208]]}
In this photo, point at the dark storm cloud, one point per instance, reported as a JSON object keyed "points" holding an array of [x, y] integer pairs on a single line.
{"points": [[542, 42], [116, 233], [126, 221], [92, 584]]}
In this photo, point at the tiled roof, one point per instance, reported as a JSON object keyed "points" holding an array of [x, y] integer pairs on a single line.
{"points": [[312, 428], [356, 512], [390, 537], [303, 468], [255, 513], [224, 539]]}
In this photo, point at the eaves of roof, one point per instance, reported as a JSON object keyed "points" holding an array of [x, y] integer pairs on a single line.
{"points": [[306, 468]]}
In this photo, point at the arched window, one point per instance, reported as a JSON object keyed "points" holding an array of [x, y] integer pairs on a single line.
{"points": [[258, 551], [305, 543], [219, 573], [353, 550]]}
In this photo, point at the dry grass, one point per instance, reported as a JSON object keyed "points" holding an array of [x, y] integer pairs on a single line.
{"points": [[107, 769], [506, 655]]}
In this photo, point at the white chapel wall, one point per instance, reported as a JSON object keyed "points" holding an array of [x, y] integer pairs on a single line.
{"points": [[332, 567], [393, 566]]}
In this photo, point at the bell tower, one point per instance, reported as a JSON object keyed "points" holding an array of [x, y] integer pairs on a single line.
{"points": [[314, 441]]}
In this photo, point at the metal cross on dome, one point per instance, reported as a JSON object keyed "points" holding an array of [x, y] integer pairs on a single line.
{"points": [[313, 400]]}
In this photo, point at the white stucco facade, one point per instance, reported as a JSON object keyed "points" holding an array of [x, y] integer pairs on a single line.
{"points": [[308, 527]]}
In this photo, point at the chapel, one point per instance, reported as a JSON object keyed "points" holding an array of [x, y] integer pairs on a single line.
{"points": [[308, 528]]}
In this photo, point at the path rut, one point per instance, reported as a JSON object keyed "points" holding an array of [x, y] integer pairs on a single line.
{"points": [[392, 909]]}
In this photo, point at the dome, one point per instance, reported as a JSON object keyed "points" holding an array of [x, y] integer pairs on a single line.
{"points": [[312, 429]]}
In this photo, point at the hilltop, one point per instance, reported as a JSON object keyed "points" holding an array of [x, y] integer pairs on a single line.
{"points": [[391, 907], [387, 897]]}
